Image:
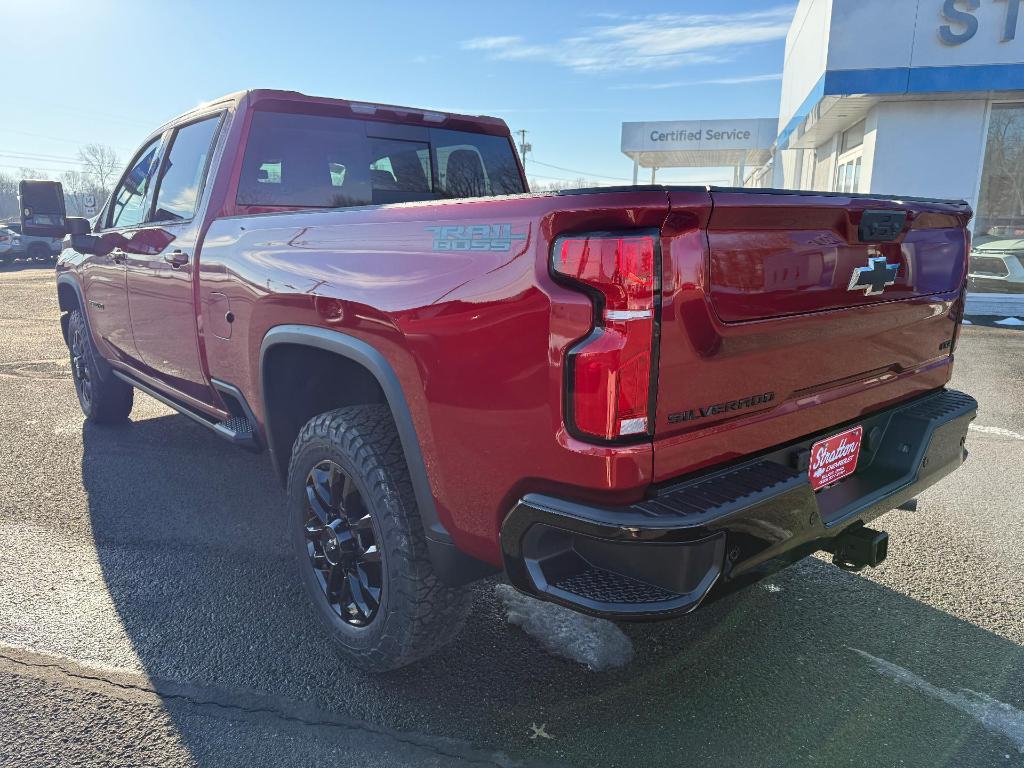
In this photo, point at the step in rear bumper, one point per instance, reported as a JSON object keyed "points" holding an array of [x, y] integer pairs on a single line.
{"points": [[702, 537]]}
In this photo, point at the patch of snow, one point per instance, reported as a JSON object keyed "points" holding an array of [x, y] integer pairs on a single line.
{"points": [[1010, 321], [967, 322], [596, 643], [993, 714], [996, 431], [772, 587]]}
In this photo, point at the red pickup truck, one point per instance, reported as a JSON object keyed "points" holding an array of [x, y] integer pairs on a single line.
{"points": [[630, 400]]}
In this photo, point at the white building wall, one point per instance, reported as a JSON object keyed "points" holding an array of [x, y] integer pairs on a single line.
{"points": [[914, 148], [807, 45], [870, 142], [824, 165], [927, 148], [875, 34]]}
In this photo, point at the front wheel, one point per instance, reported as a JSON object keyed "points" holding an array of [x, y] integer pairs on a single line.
{"points": [[359, 542], [104, 398]]}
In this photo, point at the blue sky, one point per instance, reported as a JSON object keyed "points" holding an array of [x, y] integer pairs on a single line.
{"points": [[570, 73]]}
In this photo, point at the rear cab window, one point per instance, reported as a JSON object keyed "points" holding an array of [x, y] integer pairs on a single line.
{"points": [[298, 160]]}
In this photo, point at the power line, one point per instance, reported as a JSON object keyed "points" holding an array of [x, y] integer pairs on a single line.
{"points": [[56, 138], [584, 173], [40, 156]]}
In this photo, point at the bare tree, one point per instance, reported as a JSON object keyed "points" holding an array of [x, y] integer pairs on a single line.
{"points": [[31, 173], [9, 208], [101, 163], [76, 186], [8, 197], [553, 186]]}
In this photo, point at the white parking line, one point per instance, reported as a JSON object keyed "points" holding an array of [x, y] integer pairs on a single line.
{"points": [[991, 713], [997, 431]]}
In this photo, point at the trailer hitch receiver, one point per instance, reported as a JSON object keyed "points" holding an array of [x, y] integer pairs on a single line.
{"points": [[858, 547]]}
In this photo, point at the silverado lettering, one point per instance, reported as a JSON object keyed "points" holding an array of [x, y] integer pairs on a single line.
{"points": [[442, 402], [713, 410]]}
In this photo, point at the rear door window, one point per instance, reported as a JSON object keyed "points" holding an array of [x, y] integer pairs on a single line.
{"points": [[184, 171]]}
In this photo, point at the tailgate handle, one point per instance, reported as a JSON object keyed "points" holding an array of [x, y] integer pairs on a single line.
{"points": [[881, 226]]}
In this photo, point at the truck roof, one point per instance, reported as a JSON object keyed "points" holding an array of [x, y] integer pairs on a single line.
{"points": [[364, 109]]}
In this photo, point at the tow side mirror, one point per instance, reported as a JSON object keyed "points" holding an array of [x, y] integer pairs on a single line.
{"points": [[42, 208], [80, 237], [78, 226]]}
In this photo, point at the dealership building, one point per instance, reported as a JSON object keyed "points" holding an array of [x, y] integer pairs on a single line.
{"points": [[892, 97]]}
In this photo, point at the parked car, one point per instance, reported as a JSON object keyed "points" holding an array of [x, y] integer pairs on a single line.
{"points": [[10, 245], [631, 400], [997, 266], [34, 247]]}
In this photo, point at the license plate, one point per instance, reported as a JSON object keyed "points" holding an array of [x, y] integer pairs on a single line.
{"points": [[834, 458]]}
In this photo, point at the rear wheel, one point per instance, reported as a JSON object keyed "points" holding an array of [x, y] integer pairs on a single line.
{"points": [[104, 398], [39, 251], [359, 542]]}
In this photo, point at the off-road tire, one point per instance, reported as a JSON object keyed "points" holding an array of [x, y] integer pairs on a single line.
{"points": [[104, 398], [418, 614]]}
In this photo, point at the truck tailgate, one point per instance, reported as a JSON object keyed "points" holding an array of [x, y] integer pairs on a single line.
{"points": [[774, 255], [783, 321]]}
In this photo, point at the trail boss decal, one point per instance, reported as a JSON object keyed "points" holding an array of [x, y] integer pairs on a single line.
{"points": [[476, 237], [834, 458], [717, 408]]}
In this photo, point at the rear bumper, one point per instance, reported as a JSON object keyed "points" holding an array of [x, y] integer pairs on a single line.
{"points": [[697, 539]]}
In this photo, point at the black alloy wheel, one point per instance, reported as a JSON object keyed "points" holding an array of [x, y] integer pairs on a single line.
{"points": [[342, 544], [80, 366]]}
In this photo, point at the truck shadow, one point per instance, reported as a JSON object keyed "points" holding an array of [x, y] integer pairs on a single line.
{"points": [[191, 539], [19, 265]]}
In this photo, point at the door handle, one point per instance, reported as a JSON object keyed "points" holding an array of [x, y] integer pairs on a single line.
{"points": [[176, 258], [118, 256]]}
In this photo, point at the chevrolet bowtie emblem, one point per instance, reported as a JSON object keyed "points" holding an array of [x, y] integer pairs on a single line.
{"points": [[873, 278]]}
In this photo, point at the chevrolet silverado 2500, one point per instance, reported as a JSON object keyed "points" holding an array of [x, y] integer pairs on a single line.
{"points": [[629, 400]]}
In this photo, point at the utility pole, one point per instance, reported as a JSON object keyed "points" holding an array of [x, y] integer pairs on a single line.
{"points": [[523, 146]]}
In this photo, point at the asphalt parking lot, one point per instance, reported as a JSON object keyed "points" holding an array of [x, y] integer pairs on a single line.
{"points": [[149, 615]]}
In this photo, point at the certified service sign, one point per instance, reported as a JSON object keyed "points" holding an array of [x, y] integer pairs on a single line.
{"points": [[699, 135]]}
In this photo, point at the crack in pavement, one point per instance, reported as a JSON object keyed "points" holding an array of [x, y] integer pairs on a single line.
{"points": [[252, 706]]}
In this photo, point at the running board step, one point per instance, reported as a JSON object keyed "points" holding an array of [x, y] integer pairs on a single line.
{"points": [[596, 585], [237, 430]]}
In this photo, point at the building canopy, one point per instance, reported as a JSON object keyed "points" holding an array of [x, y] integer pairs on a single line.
{"points": [[700, 143]]}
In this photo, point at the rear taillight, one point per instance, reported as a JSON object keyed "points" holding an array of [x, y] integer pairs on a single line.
{"points": [[609, 372]]}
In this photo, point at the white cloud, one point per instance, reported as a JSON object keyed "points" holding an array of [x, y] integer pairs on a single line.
{"points": [[712, 81], [492, 43], [646, 42]]}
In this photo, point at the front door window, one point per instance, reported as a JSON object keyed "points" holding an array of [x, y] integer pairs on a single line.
{"points": [[128, 206]]}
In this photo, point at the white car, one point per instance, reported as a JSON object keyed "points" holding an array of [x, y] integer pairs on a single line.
{"points": [[997, 266], [10, 245]]}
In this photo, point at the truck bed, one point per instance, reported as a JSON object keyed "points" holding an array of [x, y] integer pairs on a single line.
{"points": [[478, 337]]}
